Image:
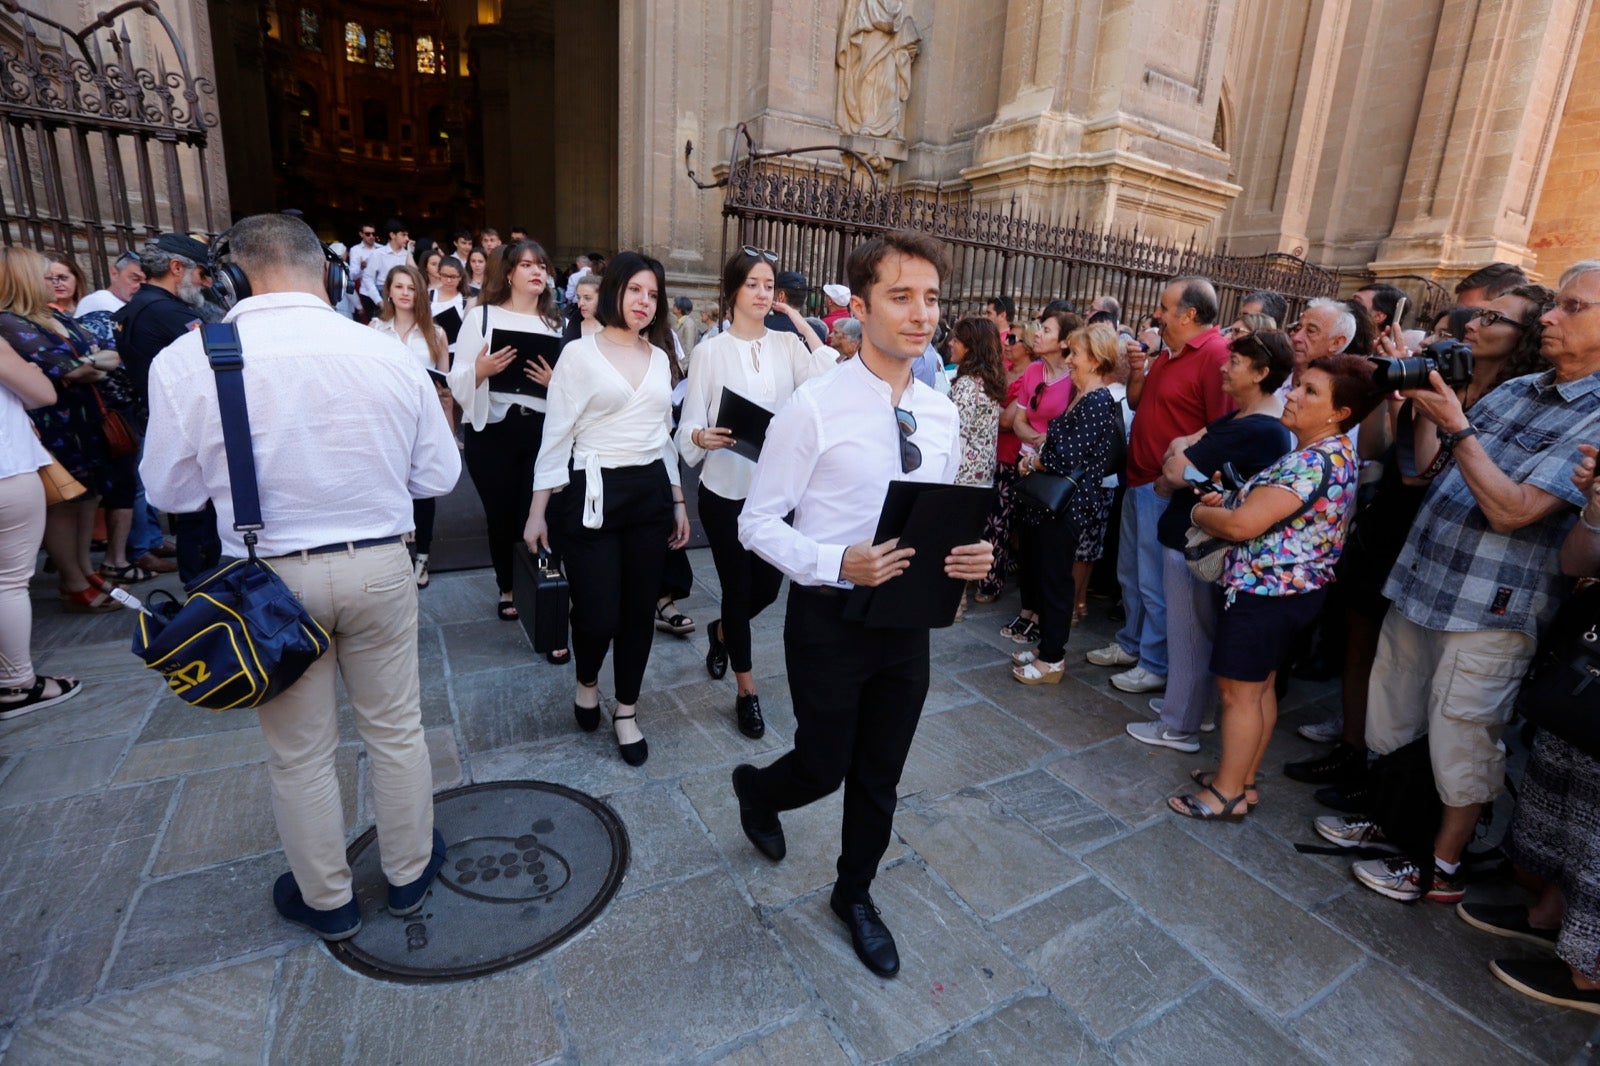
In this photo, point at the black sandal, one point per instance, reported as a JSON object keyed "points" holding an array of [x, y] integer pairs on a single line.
{"points": [[677, 623], [507, 611], [131, 574], [588, 717], [1191, 807], [15, 702], [558, 657], [633, 754], [1204, 778]]}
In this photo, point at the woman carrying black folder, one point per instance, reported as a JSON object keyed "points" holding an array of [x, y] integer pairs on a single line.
{"points": [[764, 367], [503, 429], [406, 316], [609, 463]]}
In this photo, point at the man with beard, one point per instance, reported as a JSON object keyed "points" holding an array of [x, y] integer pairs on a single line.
{"points": [[166, 307]]}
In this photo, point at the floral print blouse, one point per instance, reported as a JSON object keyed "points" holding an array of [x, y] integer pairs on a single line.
{"points": [[1299, 557], [980, 429]]}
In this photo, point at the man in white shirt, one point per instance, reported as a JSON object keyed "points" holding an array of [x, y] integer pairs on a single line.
{"points": [[126, 277], [346, 430], [829, 457], [576, 276], [359, 256], [375, 265]]}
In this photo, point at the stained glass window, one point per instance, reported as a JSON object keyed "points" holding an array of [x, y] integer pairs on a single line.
{"points": [[355, 42], [310, 30], [427, 57], [383, 49]]}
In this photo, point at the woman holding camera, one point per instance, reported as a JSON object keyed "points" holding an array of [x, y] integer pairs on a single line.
{"points": [[1245, 441], [1287, 524]]}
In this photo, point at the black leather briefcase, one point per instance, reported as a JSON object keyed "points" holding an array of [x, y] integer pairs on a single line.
{"points": [[539, 592]]}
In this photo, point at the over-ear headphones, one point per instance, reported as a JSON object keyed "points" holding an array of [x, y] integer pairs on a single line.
{"points": [[231, 283]]}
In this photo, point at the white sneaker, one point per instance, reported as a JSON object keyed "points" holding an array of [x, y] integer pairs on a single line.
{"points": [[1323, 732], [1111, 655], [1138, 680], [1159, 735]]}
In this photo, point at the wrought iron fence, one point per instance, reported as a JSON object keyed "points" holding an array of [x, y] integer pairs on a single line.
{"points": [[812, 216], [74, 102]]}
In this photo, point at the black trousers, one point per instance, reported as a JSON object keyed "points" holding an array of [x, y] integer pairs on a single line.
{"points": [[198, 546], [749, 583], [615, 571], [500, 460], [858, 695], [1048, 549], [422, 515]]}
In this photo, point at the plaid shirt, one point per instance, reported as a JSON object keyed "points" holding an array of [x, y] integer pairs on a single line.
{"points": [[1456, 573]]}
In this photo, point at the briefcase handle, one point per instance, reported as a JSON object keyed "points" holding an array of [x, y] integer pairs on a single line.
{"points": [[547, 568]]}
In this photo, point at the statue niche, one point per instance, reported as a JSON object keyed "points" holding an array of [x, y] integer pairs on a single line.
{"points": [[877, 44]]}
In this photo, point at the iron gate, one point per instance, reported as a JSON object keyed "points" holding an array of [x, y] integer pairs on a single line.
{"points": [[75, 103]]}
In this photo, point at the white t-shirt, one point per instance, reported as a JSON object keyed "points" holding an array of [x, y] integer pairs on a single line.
{"points": [[99, 300]]}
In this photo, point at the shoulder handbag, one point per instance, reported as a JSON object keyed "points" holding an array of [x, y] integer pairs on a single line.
{"points": [[1207, 556], [1561, 693], [242, 636], [1048, 492]]}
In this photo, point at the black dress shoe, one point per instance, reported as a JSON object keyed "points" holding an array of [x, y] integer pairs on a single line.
{"points": [[760, 825], [872, 940], [1351, 797], [1345, 763], [747, 708], [633, 754], [717, 656]]}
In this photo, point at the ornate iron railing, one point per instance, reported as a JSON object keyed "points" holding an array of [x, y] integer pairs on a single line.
{"points": [[811, 216], [75, 102]]}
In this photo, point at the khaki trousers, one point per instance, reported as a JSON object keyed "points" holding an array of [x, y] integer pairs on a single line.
{"points": [[21, 530], [367, 600]]}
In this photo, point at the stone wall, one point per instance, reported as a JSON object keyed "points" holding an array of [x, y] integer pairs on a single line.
{"points": [[1566, 227]]}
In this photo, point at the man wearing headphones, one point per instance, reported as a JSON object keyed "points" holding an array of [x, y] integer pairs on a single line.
{"points": [[346, 430]]}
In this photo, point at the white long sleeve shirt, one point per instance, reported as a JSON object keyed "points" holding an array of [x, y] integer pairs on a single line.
{"points": [[765, 371], [374, 265], [595, 420], [345, 428], [829, 457], [479, 406]]}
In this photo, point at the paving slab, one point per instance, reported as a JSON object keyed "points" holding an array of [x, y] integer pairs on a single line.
{"points": [[806, 1042], [711, 702], [1061, 813], [1266, 946], [1433, 947], [89, 663], [487, 645], [1072, 714], [67, 873], [950, 968], [1396, 1025], [968, 746], [1212, 1027], [812, 833], [65, 770], [1030, 1031], [203, 918], [172, 758], [504, 1018], [686, 737], [171, 718], [103, 708], [666, 839], [1130, 780], [1102, 958], [666, 975], [587, 762], [992, 860], [219, 1016], [518, 705], [468, 596]]}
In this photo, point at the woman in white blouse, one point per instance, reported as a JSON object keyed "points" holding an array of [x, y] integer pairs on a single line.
{"points": [[405, 315], [608, 433], [763, 366], [503, 429]]}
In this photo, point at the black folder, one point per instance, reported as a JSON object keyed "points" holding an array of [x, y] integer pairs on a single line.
{"points": [[933, 518], [438, 377], [449, 320], [529, 346], [746, 420]]}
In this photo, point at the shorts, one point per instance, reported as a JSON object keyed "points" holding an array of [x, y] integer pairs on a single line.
{"points": [[1254, 633]]}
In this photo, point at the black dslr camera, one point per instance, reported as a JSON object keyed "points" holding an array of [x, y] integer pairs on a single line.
{"points": [[1451, 358]]}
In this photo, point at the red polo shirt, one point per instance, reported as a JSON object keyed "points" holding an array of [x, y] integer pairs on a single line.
{"points": [[1182, 394]]}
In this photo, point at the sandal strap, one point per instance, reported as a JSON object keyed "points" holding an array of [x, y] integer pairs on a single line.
{"points": [[1227, 804], [624, 717]]}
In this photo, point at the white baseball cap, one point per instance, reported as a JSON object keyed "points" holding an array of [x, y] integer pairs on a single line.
{"points": [[839, 294]]}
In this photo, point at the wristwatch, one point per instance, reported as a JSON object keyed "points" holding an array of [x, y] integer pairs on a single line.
{"points": [[1448, 441]]}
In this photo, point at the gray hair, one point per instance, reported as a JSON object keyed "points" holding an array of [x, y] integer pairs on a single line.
{"points": [[1577, 270], [157, 262], [263, 243], [1109, 305], [849, 327], [1344, 323]]}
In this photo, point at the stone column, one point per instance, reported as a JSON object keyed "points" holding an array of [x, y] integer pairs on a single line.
{"points": [[515, 68], [1490, 111]]}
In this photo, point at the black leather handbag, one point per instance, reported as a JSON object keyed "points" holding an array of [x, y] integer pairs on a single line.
{"points": [[1561, 692], [540, 594], [1047, 491]]}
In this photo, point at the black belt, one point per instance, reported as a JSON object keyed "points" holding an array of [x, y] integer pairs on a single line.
{"points": [[829, 591], [354, 545]]}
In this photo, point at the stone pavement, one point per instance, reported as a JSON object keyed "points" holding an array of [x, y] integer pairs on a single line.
{"points": [[1046, 906]]}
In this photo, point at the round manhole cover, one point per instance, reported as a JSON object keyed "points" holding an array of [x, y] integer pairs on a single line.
{"points": [[529, 864]]}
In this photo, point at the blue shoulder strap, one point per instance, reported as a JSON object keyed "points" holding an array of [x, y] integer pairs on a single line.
{"points": [[221, 340]]}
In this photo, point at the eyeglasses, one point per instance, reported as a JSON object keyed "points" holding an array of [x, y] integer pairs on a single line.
{"points": [[369, 233], [449, 275], [910, 454], [58, 279], [1495, 318], [1571, 305], [759, 253]]}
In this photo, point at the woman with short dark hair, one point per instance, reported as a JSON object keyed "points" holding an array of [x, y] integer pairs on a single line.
{"points": [[608, 460]]}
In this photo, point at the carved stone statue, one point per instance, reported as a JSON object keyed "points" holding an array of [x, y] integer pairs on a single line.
{"points": [[877, 44]]}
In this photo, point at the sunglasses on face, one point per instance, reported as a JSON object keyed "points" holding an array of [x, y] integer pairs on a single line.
{"points": [[759, 253], [910, 454], [1495, 318]]}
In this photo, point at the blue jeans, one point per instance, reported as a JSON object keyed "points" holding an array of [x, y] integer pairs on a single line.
{"points": [[1191, 688], [1139, 572], [145, 535]]}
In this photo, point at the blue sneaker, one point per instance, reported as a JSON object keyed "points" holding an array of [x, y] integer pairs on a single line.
{"points": [[407, 899], [341, 923]]}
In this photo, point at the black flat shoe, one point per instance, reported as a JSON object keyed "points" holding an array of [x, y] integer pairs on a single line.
{"points": [[872, 940], [747, 709], [717, 656], [588, 717], [633, 754], [760, 825]]}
